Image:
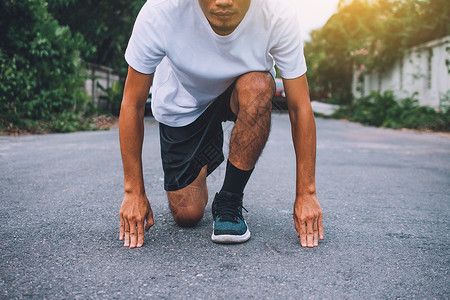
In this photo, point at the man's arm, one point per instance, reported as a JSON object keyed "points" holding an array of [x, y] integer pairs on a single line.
{"points": [[307, 210], [135, 207]]}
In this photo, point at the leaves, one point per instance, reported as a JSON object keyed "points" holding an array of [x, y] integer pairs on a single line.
{"points": [[41, 76], [383, 110], [371, 35], [105, 24]]}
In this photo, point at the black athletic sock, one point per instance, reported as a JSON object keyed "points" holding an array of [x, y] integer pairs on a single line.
{"points": [[235, 179]]}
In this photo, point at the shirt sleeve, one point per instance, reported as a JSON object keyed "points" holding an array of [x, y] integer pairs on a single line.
{"points": [[145, 48], [288, 52]]}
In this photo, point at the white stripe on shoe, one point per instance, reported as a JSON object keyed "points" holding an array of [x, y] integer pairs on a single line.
{"points": [[230, 238]]}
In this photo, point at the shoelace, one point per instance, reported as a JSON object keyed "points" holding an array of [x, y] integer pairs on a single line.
{"points": [[229, 209]]}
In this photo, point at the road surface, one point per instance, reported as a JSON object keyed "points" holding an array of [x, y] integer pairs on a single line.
{"points": [[385, 196]]}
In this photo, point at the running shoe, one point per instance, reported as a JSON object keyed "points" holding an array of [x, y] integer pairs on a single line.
{"points": [[229, 226]]}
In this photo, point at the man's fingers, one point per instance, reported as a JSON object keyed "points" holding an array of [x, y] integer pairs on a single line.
{"points": [[134, 212], [140, 234], [316, 232], [122, 227], [303, 233], [297, 226], [126, 242], [133, 234], [321, 235], [309, 233], [149, 221]]}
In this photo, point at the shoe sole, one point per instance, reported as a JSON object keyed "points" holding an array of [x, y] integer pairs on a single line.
{"points": [[230, 238]]}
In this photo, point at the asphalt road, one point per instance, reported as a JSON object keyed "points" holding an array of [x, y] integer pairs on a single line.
{"points": [[385, 196]]}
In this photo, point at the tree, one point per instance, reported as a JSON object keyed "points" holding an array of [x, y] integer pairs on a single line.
{"points": [[330, 52], [105, 24], [410, 23], [369, 35], [41, 74]]}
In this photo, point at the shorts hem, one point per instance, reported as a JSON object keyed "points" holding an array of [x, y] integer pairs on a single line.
{"points": [[211, 167]]}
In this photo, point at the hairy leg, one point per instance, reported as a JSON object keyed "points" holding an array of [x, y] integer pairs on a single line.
{"points": [[188, 204], [251, 102]]}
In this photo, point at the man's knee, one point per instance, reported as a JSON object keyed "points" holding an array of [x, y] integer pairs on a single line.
{"points": [[187, 216], [188, 204], [255, 89]]}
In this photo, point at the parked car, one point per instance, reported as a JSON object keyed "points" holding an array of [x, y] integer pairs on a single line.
{"points": [[279, 100]]}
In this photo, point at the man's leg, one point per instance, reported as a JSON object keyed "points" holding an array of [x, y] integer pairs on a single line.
{"points": [[188, 204], [251, 103], [189, 153]]}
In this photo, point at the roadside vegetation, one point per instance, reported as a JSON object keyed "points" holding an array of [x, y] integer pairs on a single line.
{"points": [[45, 48], [371, 36], [41, 71], [383, 110]]}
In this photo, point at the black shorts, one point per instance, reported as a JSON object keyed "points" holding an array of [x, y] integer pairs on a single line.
{"points": [[186, 150]]}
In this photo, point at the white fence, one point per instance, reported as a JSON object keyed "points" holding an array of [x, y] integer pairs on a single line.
{"points": [[424, 70], [101, 78]]}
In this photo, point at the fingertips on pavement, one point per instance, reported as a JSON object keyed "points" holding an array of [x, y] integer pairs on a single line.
{"points": [[127, 234], [321, 234], [140, 233], [133, 234], [310, 233], [122, 229], [303, 234]]}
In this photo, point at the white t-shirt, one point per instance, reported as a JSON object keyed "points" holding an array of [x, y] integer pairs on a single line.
{"points": [[194, 65]]}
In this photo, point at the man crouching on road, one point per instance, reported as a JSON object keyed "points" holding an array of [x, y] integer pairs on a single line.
{"points": [[212, 61]]}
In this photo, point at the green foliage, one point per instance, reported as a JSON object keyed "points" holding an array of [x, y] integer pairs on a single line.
{"points": [[105, 24], [41, 73], [330, 65], [383, 110], [369, 35], [406, 24]]}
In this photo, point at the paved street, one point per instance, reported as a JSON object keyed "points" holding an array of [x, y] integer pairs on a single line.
{"points": [[385, 196]]}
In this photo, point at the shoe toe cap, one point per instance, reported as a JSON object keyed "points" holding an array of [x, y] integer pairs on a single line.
{"points": [[228, 227]]}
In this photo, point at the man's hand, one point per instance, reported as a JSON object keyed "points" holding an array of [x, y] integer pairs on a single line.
{"points": [[135, 210], [307, 211], [308, 220]]}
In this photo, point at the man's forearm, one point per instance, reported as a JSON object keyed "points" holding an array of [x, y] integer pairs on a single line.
{"points": [[308, 217], [304, 139], [131, 132], [135, 208]]}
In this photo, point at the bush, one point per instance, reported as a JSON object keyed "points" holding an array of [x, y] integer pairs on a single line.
{"points": [[41, 74], [383, 110]]}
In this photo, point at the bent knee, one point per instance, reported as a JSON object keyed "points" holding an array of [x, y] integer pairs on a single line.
{"points": [[257, 83], [187, 216]]}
